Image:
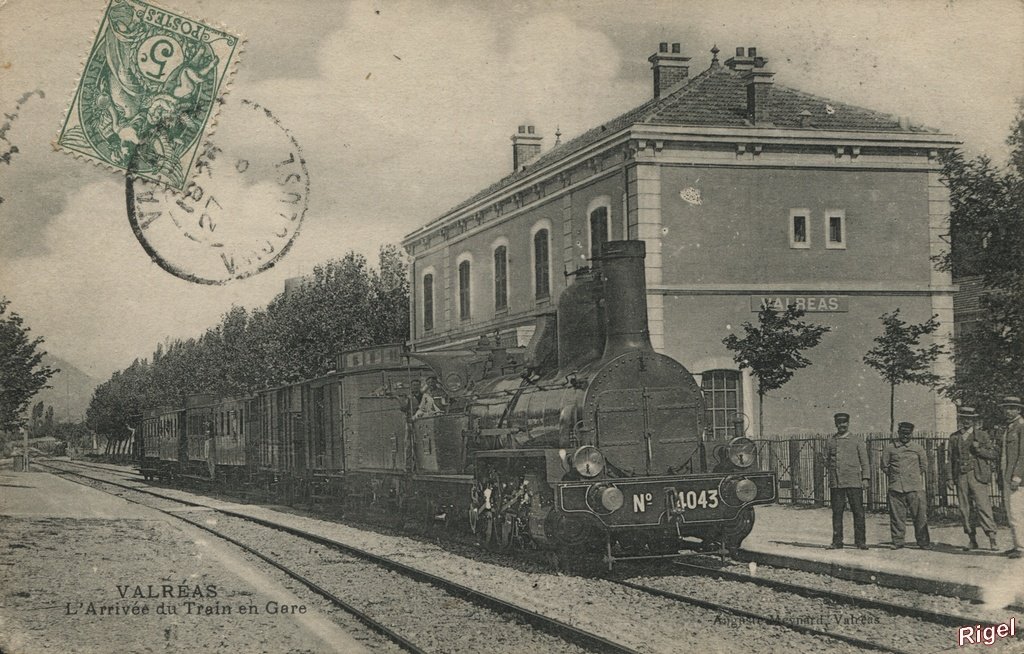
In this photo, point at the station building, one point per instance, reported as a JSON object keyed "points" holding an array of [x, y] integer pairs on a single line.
{"points": [[746, 192]]}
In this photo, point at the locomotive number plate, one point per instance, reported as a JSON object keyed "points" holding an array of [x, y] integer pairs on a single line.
{"points": [[688, 500], [693, 501]]}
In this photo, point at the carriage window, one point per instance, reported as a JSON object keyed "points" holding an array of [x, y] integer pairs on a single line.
{"points": [[500, 278], [541, 265], [464, 282], [598, 231], [723, 399], [428, 302]]}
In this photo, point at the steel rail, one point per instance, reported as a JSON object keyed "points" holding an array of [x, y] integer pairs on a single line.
{"points": [[545, 623], [370, 622], [750, 615], [945, 619]]}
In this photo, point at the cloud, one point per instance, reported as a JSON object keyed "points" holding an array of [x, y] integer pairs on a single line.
{"points": [[413, 109], [98, 299]]}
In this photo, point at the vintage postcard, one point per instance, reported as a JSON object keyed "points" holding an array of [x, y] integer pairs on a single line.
{"points": [[441, 326]]}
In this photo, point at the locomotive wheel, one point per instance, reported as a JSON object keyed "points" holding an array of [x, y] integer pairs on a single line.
{"points": [[474, 519]]}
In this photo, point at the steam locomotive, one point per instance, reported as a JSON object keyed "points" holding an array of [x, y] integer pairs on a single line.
{"points": [[587, 440]]}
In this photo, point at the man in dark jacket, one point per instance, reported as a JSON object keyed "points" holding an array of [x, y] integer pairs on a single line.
{"points": [[972, 456], [846, 460], [1011, 438], [905, 465]]}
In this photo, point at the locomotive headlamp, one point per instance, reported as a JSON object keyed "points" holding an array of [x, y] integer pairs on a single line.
{"points": [[742, 452], [588, 461], [737, 491], [605, 498], [611, 498], [745, 490]]}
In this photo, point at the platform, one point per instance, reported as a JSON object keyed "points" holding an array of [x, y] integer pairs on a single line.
{"points": [[85, 571], [799, 537]]}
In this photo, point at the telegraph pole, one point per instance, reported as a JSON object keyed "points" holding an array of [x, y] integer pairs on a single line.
{"points": [[25, 452]]}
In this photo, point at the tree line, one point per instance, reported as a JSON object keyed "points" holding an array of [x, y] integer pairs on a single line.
{"points": [[345, 303]]}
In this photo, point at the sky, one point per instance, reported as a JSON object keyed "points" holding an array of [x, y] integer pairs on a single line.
{"points": [[403, 110]]}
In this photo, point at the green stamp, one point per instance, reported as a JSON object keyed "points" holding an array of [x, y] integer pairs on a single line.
{"points": [[150, 88]]}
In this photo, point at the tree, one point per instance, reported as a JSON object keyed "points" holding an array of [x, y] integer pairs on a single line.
{"points": [[22, 372], [899, 357], [987, 237], [772, 349]]}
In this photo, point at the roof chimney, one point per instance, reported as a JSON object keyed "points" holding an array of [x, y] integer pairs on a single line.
{"points": [[759, 90], [670, 68], [525, 147], [742, 63]]}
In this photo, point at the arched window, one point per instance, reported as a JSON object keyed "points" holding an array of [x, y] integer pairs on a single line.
{"points": [[464, 290], [500, 278], [598, 231], [428, 302], [723, 399], [541, 265]]}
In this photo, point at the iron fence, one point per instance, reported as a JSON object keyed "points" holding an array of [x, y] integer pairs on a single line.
{"points": [[799, 463]]}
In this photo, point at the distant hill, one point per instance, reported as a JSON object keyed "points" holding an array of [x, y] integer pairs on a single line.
{"points": [[71, 392]]}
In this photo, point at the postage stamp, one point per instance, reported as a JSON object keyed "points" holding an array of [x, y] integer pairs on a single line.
{"points": [[148, 92], [242, 211]]}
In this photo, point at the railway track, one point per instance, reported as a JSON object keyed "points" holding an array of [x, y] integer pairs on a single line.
{"points": [[505, 611], [791, 606]]}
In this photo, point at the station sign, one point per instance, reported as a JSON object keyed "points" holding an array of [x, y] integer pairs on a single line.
{"points": [[811, 303]]}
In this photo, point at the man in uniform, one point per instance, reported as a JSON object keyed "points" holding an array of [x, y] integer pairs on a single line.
{"points": [[1012, 441], [905, 464], [971, 457], [846, 460]]}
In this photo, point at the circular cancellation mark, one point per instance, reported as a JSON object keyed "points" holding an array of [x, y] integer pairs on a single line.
{"points": [[241, 212]]}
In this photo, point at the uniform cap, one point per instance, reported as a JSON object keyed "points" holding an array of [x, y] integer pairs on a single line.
{"points": [[967, 412], [841, 416], [1011, 400], [906, 426]]}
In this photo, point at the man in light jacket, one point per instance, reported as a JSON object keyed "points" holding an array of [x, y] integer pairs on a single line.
{"points": [[846, 460], [972, 458]]}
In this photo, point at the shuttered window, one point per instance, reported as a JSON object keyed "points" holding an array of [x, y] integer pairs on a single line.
{"points": [[500, 278], [598, 231], [464, 282], [428, 302], [541, 265]]}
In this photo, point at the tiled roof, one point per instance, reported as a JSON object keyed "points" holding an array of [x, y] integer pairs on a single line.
{"points": [[715, 98]]}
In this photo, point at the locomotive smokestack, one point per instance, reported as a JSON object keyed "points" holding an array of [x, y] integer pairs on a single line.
{"points": [[625, 297]]}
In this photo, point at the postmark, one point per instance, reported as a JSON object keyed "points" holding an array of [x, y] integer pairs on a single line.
{"points": [[148, 92], [241, 213]]}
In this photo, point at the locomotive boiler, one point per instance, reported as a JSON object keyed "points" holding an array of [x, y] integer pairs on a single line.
{"points": [[587, 440]]}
